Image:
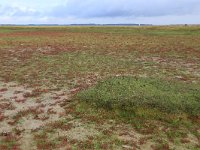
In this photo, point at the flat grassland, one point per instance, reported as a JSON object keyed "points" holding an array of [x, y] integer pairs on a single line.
{"points": [[100, 87]]}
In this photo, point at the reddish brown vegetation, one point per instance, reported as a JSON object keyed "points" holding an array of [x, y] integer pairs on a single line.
{"points": [[22, 100], [3, 89]]}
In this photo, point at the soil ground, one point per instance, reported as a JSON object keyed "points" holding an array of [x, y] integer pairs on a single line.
{"points": [[23, 118], [42, 68]]}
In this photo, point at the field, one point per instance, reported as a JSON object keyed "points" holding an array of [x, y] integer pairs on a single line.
{"points": [[100, 88]]}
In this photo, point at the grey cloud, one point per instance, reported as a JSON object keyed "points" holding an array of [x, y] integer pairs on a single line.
{"points": [[125, 8]]}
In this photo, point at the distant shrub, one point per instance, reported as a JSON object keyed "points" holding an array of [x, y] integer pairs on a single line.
{"points": [[128, 93]]}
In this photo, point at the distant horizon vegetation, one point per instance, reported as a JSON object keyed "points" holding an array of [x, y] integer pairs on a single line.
{"points": [[94, 24]]}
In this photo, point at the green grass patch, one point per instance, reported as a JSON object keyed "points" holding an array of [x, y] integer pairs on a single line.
{"points": [[129, 93]]}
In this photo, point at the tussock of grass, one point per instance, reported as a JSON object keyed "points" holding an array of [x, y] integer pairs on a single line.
{"points": [[128, 93]]}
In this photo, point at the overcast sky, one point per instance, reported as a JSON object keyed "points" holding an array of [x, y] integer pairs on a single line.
{"points": [[100, 11]]}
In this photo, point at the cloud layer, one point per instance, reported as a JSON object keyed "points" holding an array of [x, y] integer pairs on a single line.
{"points": [[18, 11], [121, 8], [100, 11]]}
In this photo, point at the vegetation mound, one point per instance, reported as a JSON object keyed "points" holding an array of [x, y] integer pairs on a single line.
{"points": [[129, 93]]}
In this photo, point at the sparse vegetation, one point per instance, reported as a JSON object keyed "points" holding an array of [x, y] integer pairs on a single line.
{"points": [[100, 87]]}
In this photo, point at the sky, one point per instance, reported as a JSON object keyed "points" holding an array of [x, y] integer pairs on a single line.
{"points": [[158, 12]]}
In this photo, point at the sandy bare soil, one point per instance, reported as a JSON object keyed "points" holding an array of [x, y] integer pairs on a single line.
{"points": [[21, 112]]}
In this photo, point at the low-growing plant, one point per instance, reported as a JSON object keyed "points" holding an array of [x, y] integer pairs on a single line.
{"points": [[129, 93]]}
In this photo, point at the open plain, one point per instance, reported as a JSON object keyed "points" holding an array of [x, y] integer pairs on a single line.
{"points": [[100, 88]]}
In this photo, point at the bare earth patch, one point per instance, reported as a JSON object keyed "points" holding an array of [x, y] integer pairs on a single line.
{"points": [[27, 114]]}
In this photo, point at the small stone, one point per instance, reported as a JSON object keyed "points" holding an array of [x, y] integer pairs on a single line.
{"points": [[127, 147]]}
